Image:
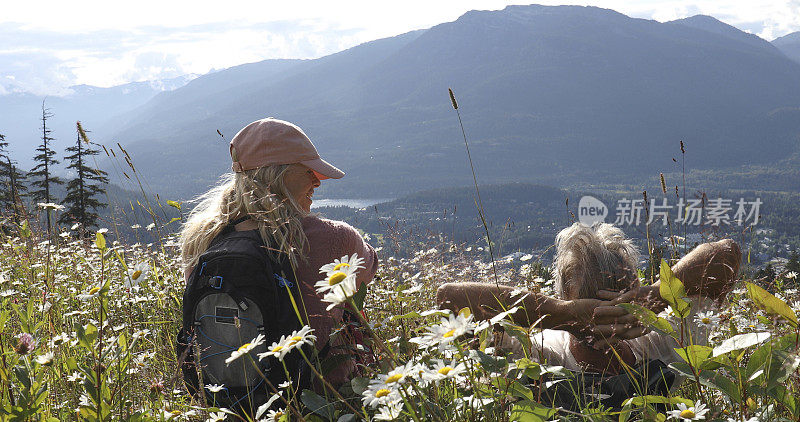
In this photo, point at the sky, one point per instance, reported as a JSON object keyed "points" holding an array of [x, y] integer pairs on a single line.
{"points": [[47, 46]]}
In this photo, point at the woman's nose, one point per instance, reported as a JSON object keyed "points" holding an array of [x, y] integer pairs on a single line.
{"points": [[315, 180]]}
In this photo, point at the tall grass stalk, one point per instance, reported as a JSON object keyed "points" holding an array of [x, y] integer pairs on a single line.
{"points": [[477, 191]]}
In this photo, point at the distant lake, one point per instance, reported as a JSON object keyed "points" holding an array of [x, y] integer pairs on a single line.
{"points": [[352, 203]]}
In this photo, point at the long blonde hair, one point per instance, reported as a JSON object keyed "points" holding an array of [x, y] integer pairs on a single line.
{"points": [[259, 194]]}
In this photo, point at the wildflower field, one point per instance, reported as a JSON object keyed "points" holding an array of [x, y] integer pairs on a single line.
{"points": [[88, 331]]}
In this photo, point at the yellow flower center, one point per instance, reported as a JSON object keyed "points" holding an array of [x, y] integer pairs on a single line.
{"points": [[382, 393], [706, 320], [244, 347], [136, 274], [394, 378], [94, 290], [446, 370], [341, 265], [294, 340], [176, 412], [449, 333], [277, 349], [687, 414], [278, 415], [336, 278]]}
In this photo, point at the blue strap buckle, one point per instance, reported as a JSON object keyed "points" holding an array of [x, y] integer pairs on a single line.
{"points": [[282, 282], [215, 282]]}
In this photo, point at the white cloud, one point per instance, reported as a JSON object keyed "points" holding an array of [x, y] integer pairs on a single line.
{"points": [[108, 43]]}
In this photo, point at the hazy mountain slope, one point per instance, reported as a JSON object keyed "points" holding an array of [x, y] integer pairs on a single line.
{"points": [[789, 45], [21, 113], [548, 94], [711, 24]]}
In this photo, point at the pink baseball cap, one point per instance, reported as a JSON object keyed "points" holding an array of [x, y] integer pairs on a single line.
{"points": [[271, 141]]}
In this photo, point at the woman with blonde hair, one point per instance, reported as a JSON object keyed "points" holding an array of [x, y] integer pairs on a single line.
{"points": [[276, 169]]}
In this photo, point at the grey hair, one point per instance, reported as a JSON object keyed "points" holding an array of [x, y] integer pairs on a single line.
{"points": [[594, 258], [258, 193]]}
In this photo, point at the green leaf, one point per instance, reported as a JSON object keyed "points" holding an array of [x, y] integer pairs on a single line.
{"points": [[87, 335], [360, 295], [490, 363], [695, 354], [711, 379], [25, 230], [174, 204], [672, 291], [513, 388], [741, 341], [640, 401], [317, 404], [786, 398], [771, 304], [783, 365], [648, 317], [519, 333], [530, 411], [760, 356], [100, 241], [359, 385]]}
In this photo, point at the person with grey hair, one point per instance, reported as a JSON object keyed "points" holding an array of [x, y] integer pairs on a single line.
{"points": [[595, 269]]}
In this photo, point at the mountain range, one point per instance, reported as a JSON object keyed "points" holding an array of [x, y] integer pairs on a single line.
{"points": [[548, 94], [21, 112]]}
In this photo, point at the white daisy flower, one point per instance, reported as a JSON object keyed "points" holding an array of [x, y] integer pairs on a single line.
{"points": [[397, 375], [333, 280], [278, 350], [298, 338], [791, 274], [45, 359], [264, 407], [214, 388], [390, 411], [59, 339], [216, 417], [347, 263], [286, 344], [707, 319], [340, 292], [136, 274], [275, 415], [684, 413], [50, 206], [75, 377], [451, 328], [377, 394], [245, 349], [444, 370], [92, 293]]}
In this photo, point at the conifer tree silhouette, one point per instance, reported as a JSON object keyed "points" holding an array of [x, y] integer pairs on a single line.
{"points": [[12, 183], [81, 201], [41, 174]]}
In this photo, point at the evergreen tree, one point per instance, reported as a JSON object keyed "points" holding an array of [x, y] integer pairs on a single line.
{"points": [[43, 180], [81, 201], [12, 182]]}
